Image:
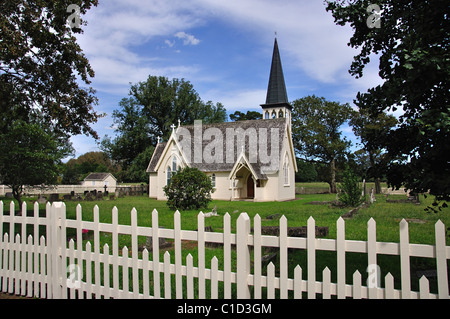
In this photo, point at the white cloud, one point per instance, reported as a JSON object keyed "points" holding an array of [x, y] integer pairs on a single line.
{"points": [[188, 39], [237, 100], [169, 43]]}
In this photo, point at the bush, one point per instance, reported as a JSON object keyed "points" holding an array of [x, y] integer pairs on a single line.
{"points": [[188, 189], [350, 190]]}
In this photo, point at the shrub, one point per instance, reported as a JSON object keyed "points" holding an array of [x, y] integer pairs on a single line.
{"points": [[188, 189], [350, 190]]}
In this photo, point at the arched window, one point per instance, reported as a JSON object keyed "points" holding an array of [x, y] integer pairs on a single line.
{"points": [[286, 170], [213, 180], [174, 164], [267, 115], [280, 114], [169, 175], [274, 115]]}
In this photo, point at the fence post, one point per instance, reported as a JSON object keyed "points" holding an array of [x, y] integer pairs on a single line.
{"points": [[243, 256], [55, 244]]}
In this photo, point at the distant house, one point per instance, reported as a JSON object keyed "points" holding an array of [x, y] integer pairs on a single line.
{"points": [[100, 180]]}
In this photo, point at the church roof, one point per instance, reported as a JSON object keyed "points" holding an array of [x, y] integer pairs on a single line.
{"points": [[276, 90], [226, 166]]}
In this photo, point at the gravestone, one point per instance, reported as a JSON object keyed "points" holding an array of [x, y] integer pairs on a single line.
{"points": [[54, 197], [163, 243], [42, 199]]}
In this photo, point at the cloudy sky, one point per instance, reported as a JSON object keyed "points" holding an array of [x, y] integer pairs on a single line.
{"points": [[224, 48]]}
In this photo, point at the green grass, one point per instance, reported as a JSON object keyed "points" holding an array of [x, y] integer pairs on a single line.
{"points": [[297, 212]]}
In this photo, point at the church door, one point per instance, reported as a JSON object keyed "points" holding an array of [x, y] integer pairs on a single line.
{"points": [[250, 187]]}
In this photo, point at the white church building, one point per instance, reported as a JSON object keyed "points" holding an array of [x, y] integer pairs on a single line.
{"points": [[251, 160]]}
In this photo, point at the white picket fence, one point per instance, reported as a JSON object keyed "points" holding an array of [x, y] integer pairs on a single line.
{"points": [[46, 267]]}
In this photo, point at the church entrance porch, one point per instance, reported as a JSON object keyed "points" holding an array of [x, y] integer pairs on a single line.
{"points": [[243, 184]]}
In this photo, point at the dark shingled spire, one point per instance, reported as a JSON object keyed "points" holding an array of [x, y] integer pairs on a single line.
{"points": [[276, 91]]}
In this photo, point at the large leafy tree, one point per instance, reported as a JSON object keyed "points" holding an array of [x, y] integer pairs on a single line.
{"points": [[148, 113], [30, 156], [250, 115], [372, 131], [412, 43], [316, 132], [42, 66]]}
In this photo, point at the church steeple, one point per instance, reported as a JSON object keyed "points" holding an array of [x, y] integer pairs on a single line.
{"points": [[277, 103]]}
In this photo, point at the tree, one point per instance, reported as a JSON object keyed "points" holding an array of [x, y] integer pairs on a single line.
{"points": [[42, 66], [188, 189], [350, 189], [163, 102], [412, 43], [372, 131], [152, 107], [30, 156], [77, 169], [306, 172], [316, 131], [250, 115]]}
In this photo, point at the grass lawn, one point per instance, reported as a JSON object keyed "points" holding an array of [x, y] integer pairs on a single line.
{"points": [[386, 215]]}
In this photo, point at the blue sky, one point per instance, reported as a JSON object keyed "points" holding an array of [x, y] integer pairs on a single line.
{"points": [[224, 48]]}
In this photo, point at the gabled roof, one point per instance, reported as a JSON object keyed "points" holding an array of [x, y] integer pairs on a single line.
{"points": [[156, 156], [226, 166], [276, 90], [98, 176]]}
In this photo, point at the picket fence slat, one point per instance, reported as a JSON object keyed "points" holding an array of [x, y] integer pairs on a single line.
{"points": [[51, 265]]}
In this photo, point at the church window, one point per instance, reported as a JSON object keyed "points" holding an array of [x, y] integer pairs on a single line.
{"points": [[169, 175], [213, 180], [274, 115], [267, 115], [174, 164], [286, 171], [280, 114]]}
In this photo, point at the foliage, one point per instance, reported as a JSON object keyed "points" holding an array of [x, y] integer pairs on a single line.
{"points": [[189, 189], [152, 107], [372, 131], [306, 172], [30, 156], [75, 170], [316, 131], [413, 48], [350, 189], [42, 66], [250, 115]]}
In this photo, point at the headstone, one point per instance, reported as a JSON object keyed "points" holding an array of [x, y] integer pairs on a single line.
{"points": [[42, 199], [162, 243], [54, 197], [372, 196]]}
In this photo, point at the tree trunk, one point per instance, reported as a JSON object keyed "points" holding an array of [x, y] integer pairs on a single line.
{"points": [[333, 176], [17, 194], [375, 175], [377, 185]]}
